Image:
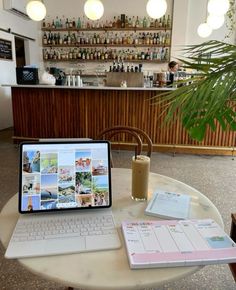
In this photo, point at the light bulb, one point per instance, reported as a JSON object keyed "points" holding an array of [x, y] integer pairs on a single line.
{"points": [[93, 9], [215, 21], [36, 10], [218, 7], [204, 30], [156, 8]]}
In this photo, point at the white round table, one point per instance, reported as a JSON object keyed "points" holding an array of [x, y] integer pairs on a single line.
{"points": [[110, 269]]}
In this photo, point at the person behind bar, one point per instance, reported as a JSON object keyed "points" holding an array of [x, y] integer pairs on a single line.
{"points": [[173, 67]]}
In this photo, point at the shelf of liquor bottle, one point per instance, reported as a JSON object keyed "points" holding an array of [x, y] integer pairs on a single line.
{"points": [[106, 60], [104, 45], [107, 29]]}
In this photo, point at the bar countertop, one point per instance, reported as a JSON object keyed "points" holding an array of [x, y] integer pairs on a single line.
{"points": [[89, 87]]}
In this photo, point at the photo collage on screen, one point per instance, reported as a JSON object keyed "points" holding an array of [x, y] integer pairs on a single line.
{"points": [[68, 178]]}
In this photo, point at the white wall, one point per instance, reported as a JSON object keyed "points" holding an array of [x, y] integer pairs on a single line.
{"points": [[7, 76], [7, 68]]}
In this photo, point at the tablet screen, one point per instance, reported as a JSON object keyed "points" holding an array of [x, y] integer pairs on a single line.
{"points": [[64, 175]]}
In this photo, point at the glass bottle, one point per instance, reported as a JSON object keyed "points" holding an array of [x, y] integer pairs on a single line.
{"points": [[67, 23], [137, 22], [133, 21], [144, 22], [57, 23], [78, 23], [114, 23], [168, 22], [45, 38], [164, 21]]}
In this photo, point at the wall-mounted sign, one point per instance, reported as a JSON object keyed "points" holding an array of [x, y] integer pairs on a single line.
{"points": [[5, 49]]}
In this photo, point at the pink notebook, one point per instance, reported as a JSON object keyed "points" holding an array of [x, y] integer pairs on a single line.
{"points": [[172, 243]]}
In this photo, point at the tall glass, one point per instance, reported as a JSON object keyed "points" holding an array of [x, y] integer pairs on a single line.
{"points": [[140, 176]]}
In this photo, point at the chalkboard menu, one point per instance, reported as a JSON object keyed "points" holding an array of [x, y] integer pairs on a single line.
{"points": [[5, 49]]}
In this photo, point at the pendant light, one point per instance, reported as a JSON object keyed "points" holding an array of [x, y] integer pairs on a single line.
{"points": [[36, 10], [93, 9], [204, 30], [156, 8], [218, 7], [215, 21]]}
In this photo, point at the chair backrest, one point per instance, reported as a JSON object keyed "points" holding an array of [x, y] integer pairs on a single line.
{"points": [[139, 135]]}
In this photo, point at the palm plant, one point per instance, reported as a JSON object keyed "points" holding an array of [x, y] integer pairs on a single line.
{"points": [[211, 96]]}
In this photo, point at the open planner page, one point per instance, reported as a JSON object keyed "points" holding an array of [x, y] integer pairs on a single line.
{"points": [[170, 243]]}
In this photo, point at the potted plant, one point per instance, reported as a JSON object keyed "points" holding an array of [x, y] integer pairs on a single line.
{"points": [[211, 96]]}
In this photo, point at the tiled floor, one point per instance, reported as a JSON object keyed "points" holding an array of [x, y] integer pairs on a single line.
{"points": [[214, 176]]}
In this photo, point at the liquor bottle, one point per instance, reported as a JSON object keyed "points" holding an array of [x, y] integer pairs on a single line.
{"points": [[142, 55], [54, 55], [67, 23], [99, 54], [75, 53], [83, 23], [147, 55], [70, 54], [60, 40], [158, 38], [53, 39], [83, 54], [88, 54], [162, 54], [106, 55], [130, 22], [73, 22], [69, 38], [65, 39], [168, 22], [114, 23], [79, 54], [70, 23], [137, 23], [78, 23], [144, 22], [57, 23], [152, 22], [167, 41], [133, 21], [118, 22], [126, 21], [122, 19], [156, 24], [151, 39], [60, 23], [49, 41], [164, 21], [53, 24], [45, 38], [166, 54]]}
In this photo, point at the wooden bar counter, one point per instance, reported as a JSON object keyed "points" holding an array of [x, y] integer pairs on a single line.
{"points": [[70, 112]]}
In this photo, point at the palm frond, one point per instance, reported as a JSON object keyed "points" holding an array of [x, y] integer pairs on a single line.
{"points": [[211, 96]]}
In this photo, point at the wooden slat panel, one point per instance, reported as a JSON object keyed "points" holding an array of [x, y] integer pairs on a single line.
{"points": [[49, 113]]}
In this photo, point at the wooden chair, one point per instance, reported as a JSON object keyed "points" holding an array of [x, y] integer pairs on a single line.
{"points": [[233, 236], [139, 135]]}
